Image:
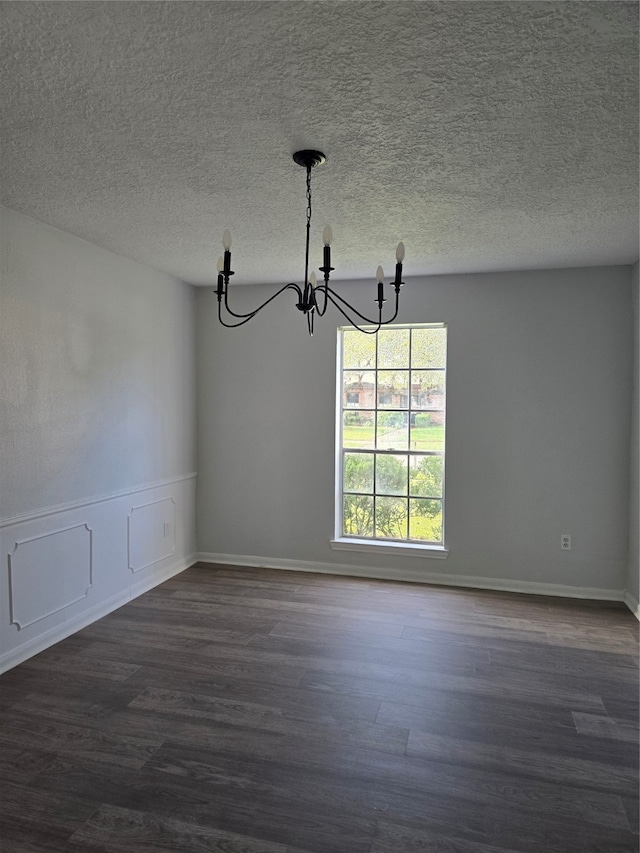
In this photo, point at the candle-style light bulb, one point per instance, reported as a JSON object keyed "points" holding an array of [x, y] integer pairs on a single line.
{"points": [[226, 240], [313, 280], [380, 274], [327, 235], [220, 264], [399, 259]]}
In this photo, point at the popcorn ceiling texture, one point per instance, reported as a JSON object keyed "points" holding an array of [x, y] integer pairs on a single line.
{"points": [[487, 136]]}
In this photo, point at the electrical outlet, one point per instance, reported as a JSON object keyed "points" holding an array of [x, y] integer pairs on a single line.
{"points": [[565, 542]]}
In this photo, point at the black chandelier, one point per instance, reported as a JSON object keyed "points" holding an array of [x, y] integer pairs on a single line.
{"points": [[313, 298]]}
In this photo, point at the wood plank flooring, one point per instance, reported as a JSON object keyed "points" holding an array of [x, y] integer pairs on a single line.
{"points": [[254, 711]]}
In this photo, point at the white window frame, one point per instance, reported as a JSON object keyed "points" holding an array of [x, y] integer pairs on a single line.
{"points": [[372, 545]]}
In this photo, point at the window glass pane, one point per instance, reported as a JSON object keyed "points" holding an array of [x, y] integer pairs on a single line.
{"points": [[393, 348], [391, 518], [428, 347], [392, 430], [358, 472], [358, 389], [358, 350], [427, 389], [391, 474], [425, 520], [425, 476], [427, 431], [393, 389], [357, 517], [393, 433], [358, 429]]}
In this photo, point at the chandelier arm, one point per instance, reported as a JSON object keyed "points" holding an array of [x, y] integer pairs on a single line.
{"points": [[232, 325], [233, 313], [380, 322], [352, 322], [395, 313], [323, 289], [253, 313], [240, 316]]}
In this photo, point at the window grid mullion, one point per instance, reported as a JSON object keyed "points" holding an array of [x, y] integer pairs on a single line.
{"points": [[375, 440], [409, 402], [411, 409]]}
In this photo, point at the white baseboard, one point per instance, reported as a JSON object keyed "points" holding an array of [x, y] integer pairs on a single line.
{"points": [[632, 604], [55, 635], [417, 575]]}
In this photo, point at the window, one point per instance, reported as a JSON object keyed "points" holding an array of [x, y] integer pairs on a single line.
{"points": [[391, 441]]}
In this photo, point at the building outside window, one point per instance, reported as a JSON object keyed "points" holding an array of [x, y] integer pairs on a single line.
{"points": [[391, 441]]}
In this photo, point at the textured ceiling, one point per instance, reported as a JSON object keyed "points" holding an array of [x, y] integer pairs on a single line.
{"points": [[487, 136]]}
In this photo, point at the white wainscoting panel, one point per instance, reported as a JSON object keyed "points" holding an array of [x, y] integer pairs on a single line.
{"points": [[151, 533], [63, 567], [48, 573]]}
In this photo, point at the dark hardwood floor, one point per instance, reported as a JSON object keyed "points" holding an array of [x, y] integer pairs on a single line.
{"points": [[255, 711]]}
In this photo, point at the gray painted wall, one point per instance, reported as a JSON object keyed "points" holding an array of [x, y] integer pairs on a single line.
{"points": [[538, 438], [98, 374], [98, 396], [97, 426], [633, 575]]}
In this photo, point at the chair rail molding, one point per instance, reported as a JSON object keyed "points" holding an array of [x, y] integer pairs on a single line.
{"points": [[56, 509]]}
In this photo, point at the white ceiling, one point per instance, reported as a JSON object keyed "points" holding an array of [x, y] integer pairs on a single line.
{"points": [[486, 135]]}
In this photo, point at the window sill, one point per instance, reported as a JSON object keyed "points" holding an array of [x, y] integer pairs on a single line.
{"points": [[406, 549]]}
